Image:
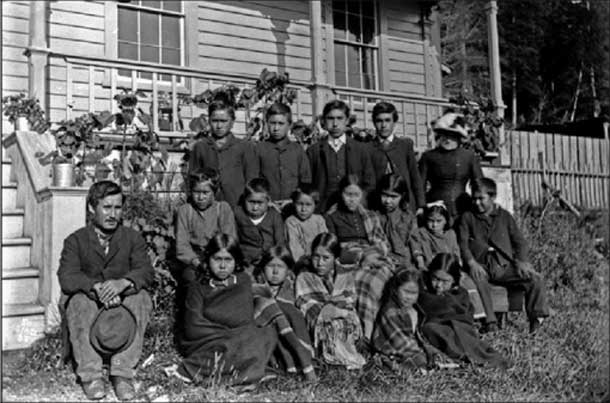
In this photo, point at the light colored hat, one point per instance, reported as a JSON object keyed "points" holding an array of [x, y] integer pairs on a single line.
{"points": [[451, 123]]}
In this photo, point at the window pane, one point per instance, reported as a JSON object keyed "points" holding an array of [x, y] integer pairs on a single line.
{"points": [[339, 5], [353, 6], [339, 24], [368, 68], [149, 25], [170, 56], [170, 31], [368, 9], [368, 28], [354, 33], [128, 51], [369, 81], [152, 4], [128, 25], [340, 65], [353, 66], [149, 53], [172, 5]]}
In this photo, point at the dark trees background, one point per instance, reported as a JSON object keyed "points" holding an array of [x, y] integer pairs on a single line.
{"points": [[555, 56]]}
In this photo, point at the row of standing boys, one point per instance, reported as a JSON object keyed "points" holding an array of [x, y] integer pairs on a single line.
{"points": [[290, 254]]}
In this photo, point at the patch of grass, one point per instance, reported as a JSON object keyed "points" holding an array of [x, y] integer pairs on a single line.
{"points": [[567, 360]]}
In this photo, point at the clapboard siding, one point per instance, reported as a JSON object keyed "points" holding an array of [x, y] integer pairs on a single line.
{"points": [[15, 37], [246, 36], [405, 69], [77, 27]]}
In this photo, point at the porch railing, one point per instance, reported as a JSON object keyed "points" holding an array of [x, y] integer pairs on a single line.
{"points": [[92, 82], [415, 112]]}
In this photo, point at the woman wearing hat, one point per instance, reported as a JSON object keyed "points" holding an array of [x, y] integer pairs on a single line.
{"points": [[448, 167]]}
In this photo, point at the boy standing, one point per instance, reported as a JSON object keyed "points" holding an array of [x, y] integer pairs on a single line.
{"points": [[282, 162], [395, 155], [338, 156]]}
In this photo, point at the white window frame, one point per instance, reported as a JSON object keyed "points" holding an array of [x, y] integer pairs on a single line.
{"points": [[377, 47]]}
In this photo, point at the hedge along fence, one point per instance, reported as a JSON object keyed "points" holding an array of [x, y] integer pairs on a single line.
{"points": [[576, 166]]}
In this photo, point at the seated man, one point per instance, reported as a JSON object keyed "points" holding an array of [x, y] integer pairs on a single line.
{"points": [[104, 270], [495, 251]]}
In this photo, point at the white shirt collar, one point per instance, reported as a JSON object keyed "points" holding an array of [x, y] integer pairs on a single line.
{"points": [[338, 142]]}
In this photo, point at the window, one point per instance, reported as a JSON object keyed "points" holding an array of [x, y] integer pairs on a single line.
{"points": [[356, 45], [151, 31]]}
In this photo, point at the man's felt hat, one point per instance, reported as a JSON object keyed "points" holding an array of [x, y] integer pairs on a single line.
{"points": [[113, 330], [451, 123]]}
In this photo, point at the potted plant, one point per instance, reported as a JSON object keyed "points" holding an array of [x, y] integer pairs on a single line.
{"points": [[24, 112]]}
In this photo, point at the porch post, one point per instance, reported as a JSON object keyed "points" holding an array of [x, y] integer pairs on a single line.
{"points": [[495, 75], [38, 52], [320, 90]]}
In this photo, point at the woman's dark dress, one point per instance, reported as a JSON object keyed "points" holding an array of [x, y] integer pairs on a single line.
{"points": [[448, 171], [449, 326], [220, 335]]}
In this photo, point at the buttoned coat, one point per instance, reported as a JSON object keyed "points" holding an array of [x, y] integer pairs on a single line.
{"points": [[285, 165], [358, 162], [402, 157], [235, 161], [84, 263]]}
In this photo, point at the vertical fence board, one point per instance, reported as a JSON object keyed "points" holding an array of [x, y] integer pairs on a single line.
{"points": [[576, 166]]}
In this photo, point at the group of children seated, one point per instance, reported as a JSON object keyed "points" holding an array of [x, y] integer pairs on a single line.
{"points": [[277, 287]]}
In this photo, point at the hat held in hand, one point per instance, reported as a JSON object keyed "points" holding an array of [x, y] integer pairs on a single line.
{"points": [[113, 330], [451, 123]]}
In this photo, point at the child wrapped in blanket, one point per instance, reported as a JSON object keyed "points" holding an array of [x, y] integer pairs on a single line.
{"points": [[449, 324], [274, 299], [326, 295]]}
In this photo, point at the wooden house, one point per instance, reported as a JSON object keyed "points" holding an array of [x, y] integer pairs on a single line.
{"points": [[76, 55]]}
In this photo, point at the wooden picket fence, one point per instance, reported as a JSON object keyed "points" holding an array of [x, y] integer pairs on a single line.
{"points": [[577, 166]]}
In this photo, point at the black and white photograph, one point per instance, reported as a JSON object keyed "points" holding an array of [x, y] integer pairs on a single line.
{"points": [[305, 200]]}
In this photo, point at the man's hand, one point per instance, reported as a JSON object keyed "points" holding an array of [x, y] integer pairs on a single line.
{"points": [[477, 272], [526, 270], [109, 289], [116, 301], [419, 211]]}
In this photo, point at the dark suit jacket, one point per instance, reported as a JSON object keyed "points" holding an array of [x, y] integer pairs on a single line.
{"points": [[401, 154], [358, 162], [83, 262], [236, 162]]}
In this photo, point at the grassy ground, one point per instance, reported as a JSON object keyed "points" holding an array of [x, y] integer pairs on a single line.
{"points": [[568, 360]]}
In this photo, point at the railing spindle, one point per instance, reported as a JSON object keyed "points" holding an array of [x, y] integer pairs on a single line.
{"points": [[68, 90], [175, 125], [134, 80], [416, 120], [299, 104], [155, 103], [113, 74], [91, 88]]}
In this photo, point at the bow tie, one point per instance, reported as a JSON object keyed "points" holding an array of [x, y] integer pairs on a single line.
{"points": [[223, 283]]}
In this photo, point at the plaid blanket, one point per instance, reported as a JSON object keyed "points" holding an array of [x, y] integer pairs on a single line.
{"points": [[330, 316], [370, 279], [394, 335], [280, 312], [375, 234]]}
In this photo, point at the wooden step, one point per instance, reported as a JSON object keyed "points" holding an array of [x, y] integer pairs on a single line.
{"points": [[20, 285], [16, 252], [9, 196], [22, 325], [12, 223], [6, 172]]}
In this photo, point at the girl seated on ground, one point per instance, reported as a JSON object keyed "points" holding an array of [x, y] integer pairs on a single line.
{"points": [[258, 226], [359, 230], [448, 323], [274, 300], [396, 337], [325, 294], [221, 337], [435, 237], [397, 219], [303, 225]]}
